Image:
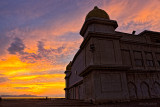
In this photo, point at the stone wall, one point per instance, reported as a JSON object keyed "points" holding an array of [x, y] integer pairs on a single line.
{"points": [[105, 86], [77, 67], [144, 85], [76, 92]]}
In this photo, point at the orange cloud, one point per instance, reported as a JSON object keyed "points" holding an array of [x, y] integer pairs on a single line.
{"points": [[23, 77], [137, 15]]}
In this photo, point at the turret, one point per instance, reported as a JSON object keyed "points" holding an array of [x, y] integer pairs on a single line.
{"points": [[98, 21], [67, 72]]}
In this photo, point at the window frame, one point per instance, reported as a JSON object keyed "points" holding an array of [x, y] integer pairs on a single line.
{"points": [[138, 59]]}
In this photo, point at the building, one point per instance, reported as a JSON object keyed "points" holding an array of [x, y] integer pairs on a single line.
{"points": [[112, 65]]}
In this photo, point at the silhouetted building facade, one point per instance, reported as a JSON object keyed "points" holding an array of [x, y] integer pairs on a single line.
{"points": [[112, 65]]}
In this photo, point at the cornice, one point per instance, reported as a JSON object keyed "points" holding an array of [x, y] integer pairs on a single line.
{"points": [[104, 67], [95, 20]]}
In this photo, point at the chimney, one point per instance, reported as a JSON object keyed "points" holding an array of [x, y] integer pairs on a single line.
{"points": [[133, 33]]}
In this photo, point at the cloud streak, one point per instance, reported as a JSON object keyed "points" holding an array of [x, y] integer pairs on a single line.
{"points": [[3, 79]]}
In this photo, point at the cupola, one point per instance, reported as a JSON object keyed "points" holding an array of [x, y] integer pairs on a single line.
{"points": [[96, 12], [98, 21]]}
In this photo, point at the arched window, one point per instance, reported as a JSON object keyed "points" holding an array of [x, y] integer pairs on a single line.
{"points": [[145, 90], [132, 90], [156, 88]]}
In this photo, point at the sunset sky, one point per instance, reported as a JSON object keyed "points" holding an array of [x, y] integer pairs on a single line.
{"points": [[38, 38]]}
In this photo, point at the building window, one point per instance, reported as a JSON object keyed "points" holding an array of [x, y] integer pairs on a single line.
{"points": [[138, 62], [138, 58], [149, 59], [150, 63]]}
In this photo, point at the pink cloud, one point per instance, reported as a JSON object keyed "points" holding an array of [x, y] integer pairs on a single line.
{"points": [[135, 15]]}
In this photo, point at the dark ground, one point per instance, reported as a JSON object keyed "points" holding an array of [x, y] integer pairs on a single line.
{"points": [[61, 102]]}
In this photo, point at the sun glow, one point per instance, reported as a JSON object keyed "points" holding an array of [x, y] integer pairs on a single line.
{"points": [[23, 78]]}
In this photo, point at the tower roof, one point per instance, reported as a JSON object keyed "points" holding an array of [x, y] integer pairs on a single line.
{"points": [[96, 12]]}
